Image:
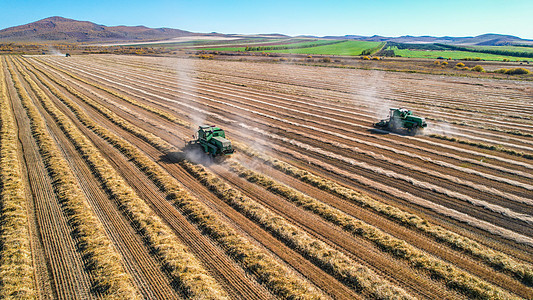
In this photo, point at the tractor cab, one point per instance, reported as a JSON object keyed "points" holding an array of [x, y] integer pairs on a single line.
{"points": [[401, 113], [402, 119], [212, 140]]}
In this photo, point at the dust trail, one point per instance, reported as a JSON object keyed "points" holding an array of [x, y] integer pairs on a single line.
{"points": [[185, 69], [367, 88], [54, 51]]}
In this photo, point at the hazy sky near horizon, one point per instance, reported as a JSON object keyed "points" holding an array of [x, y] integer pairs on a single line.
{"points": [[311, 17]]}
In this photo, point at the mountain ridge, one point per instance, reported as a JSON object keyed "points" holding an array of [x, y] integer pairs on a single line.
{"points": [[59, 29], [488, 39]]}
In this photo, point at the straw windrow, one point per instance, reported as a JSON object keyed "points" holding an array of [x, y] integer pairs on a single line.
{"points": [[104, 263], [16, 266]]}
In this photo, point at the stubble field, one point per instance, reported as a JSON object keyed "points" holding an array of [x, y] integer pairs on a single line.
{"points": [[99, 201]]}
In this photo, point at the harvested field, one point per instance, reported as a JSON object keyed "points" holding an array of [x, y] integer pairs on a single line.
{"points": [[315, 204]]}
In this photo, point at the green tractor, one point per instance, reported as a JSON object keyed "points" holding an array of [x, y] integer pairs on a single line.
{"points": [[402, 119], [212, 140]]}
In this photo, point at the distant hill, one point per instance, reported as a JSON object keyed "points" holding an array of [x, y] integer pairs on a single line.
{"points": [[490, 39], [58, 29]]}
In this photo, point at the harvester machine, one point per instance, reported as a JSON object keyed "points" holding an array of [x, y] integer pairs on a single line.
{"points": [[402, 119], [212, 141]]}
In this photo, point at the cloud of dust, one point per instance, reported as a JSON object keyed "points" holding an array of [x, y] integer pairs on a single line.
{"points": [[185, 69], [54, 51], [366, 89], [438, 126]]}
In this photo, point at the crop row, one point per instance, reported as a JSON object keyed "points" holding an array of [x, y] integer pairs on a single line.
{"points": [[495, 259], [483, 146], [490, 128], [104, 262], [334, 261], [501, 141], [278, 278], [193, 278], [452, 276], [16, 266]]}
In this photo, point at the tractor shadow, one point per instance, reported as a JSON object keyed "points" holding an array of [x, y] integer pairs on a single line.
{"points": [[172, 157], [194, 155], [402, 132], [378, 131]]}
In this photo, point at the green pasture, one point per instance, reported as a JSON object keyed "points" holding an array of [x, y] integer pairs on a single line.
{"points": [[344, 48], [504, 48], [451, 54], [291, 43]]}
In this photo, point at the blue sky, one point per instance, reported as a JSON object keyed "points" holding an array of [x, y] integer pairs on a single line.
{"points": [[381, 17]]}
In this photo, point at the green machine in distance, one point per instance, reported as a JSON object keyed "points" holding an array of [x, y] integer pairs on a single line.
{"points": [[212, 140], [401, 118]]}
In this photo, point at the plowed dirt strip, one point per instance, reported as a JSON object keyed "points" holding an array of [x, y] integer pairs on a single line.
{"points": [[399, 186], [323, 279], [145, 270], [65, 263]]}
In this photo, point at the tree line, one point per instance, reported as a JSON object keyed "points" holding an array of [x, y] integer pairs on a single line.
{"points": [[489, 51]]}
